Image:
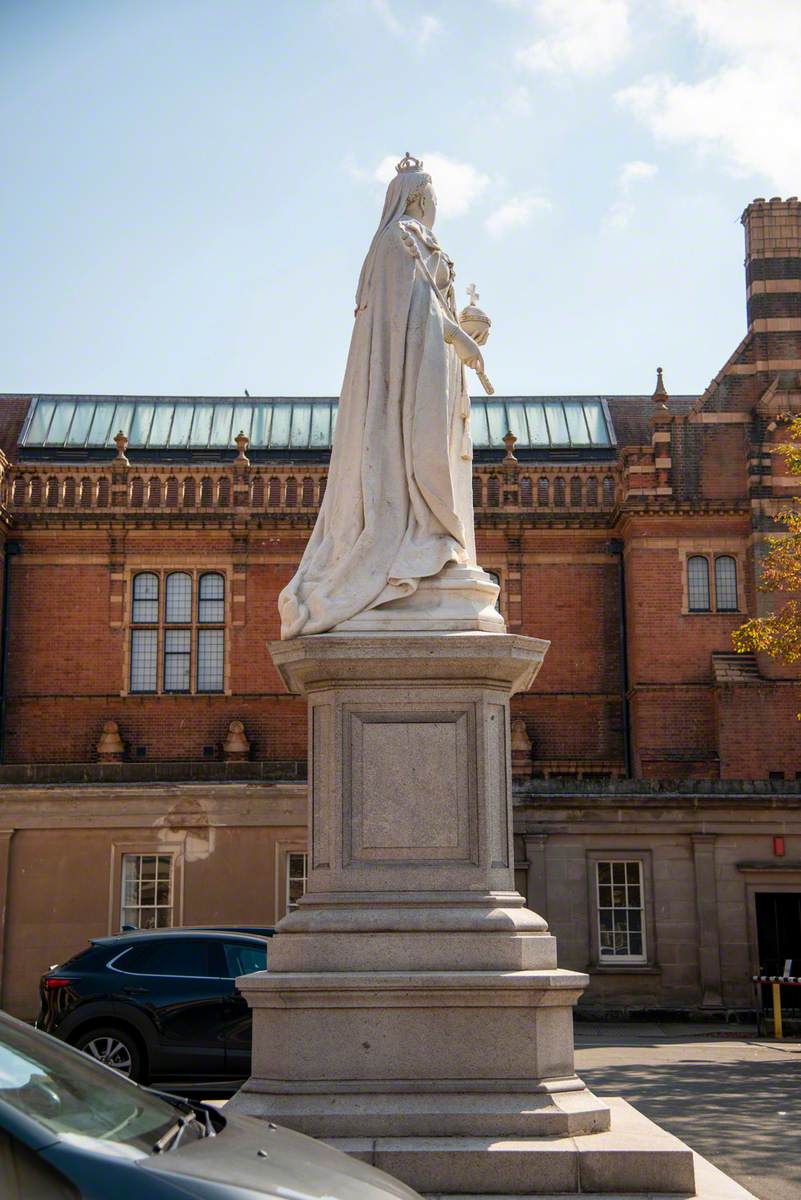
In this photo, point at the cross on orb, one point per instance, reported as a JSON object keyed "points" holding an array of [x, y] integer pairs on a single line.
{"points": [[472, 294]]}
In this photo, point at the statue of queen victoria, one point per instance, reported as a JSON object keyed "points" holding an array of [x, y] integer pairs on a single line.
{"points": [[393, 548]]}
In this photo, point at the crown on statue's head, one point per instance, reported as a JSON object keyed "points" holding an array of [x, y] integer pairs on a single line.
{"points": [[409, 163]]}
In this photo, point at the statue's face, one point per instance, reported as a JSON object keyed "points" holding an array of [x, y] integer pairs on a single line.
{"points": [[428, 204]]}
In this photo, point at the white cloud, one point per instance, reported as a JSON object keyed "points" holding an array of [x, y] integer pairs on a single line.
{"points": [[746, 111], [518, 101], [631, 174], [457, 184], [582, 37], [515, 213], [417, 30]]}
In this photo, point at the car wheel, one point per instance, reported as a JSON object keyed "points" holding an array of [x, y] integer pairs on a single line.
{"points": [[115, 1048]]}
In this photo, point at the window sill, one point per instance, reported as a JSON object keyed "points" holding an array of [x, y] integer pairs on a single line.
{"points": [[623, 969], [712, 612]]}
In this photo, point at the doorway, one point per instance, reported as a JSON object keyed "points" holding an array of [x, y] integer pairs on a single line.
{"points": [[778, 918]]}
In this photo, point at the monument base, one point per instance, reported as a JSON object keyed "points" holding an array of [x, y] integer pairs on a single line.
{"points": [[411, 998]]}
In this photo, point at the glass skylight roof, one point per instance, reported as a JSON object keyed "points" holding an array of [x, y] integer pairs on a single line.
{"points": [[83, 422]]}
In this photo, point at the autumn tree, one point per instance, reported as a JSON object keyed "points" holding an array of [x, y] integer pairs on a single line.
{"points": [[779, 633]]}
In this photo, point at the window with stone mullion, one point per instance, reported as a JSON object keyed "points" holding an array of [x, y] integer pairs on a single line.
{"points": [[211, 632], [177, 646]]}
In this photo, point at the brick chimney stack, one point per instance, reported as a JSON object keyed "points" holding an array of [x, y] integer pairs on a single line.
{"points": [[773, 265]]}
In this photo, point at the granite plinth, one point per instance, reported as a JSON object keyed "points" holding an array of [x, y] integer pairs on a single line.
{"points": [[411, 998]]}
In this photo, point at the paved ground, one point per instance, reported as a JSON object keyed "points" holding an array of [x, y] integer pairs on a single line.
{"points": [[734, 1098]]}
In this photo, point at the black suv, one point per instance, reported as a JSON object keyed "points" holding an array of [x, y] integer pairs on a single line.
{"points": [[159, 1006]]}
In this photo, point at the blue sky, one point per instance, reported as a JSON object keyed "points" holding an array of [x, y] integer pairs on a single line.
{"points": [[189, 186]]}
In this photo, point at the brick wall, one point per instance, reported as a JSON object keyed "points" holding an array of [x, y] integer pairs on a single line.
{"points": [[758, 731]]}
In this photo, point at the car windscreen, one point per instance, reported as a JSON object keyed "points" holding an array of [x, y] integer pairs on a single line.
{"points": [[68, 1094]]}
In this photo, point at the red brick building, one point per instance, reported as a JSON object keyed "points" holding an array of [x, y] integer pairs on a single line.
{"points": [[658, 806]]}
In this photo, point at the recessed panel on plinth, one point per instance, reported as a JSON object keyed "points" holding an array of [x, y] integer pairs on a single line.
{"points": [[409, 793]]}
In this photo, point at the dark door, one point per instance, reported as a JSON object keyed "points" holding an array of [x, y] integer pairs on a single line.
{"points": [[175, 982], [238, 958], [779, 935]]}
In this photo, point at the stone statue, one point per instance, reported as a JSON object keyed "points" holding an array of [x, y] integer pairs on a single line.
{"points": [[394, 547]]}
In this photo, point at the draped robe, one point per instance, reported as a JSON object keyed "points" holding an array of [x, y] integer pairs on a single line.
{"points": [[398, 501]]}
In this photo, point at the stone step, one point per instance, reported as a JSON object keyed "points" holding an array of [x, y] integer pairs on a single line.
{"points": [[634, 1158], [710, 1184]]}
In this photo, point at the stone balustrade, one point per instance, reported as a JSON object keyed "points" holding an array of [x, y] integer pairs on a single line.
{"points": [[538, 487], [298, 489]]}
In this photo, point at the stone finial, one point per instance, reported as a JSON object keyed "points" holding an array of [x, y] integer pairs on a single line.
{"points": [[236, 747], [242, 441], [110, 746], [522, 755], [660, 395], [510, 441], [121, 442]]}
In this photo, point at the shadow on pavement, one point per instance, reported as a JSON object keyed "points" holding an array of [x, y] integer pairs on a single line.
{"points": [[743, 1116]]}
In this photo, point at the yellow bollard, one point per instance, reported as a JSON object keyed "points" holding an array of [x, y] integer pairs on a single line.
{"points": [[777, 1010]]}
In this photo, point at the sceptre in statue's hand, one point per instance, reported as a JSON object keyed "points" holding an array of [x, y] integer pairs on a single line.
{"points": [[465, 344]]}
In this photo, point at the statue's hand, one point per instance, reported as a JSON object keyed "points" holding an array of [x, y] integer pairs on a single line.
{"points": [[464, 345]]}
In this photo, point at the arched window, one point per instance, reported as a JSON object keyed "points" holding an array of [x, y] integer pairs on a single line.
{"points": [[86, 493], [478, 492], [307, 493], [154, 493], [224, 493], [144, 642], [698, 583], [20, 487], [179, 598], [171, 492], [102, 493], [137, 492], [69, 492], [189, 492], [592, 492], [321, 489], [525, 492], [211, 599], [559, 492], [608, 491], [274, 493], [543, 491], [145, 608], [36, 490], [725, 583], [257, 492], [211, 642], [493, 491], [52, 492], [206, 492], [575, 492], [291, 491]]}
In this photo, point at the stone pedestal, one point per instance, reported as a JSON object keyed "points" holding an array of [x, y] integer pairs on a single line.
{"points": [[412, 995]]}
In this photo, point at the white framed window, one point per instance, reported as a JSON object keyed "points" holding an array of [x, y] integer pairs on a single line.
{"points": [[147, 887], [177, 632], [297, 862], [621, 910]]}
